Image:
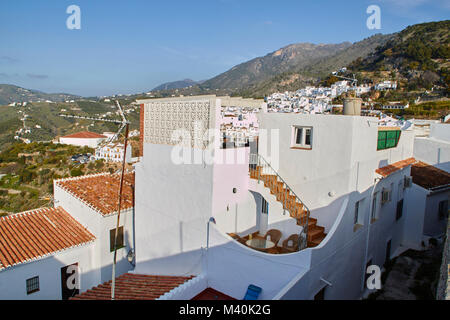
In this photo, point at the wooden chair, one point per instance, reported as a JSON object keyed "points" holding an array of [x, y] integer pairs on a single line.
{"points": [[237, 238], [274, 235], [291, 243]]}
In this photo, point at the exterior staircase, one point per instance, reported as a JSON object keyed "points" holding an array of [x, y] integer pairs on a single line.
{"points": [[261, 170]]}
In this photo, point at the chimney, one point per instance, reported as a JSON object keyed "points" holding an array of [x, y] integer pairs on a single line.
{"points": [[352, 106]]}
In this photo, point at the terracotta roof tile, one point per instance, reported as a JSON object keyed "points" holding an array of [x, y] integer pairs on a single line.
{"points": [[101, 191], [134, 287], [429, 177], [35, 234], [387, 170], [85, 135], [212, 294]]}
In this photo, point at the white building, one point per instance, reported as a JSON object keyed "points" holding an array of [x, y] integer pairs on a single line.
{"points": [[434, 149], [84, 138], [92, 200], [353, 175], [386, 85], [36, 264], [334, 193], [113, 152], [72, 242]]}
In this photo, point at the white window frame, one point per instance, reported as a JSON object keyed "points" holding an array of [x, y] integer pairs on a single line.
{"points": [[302, 143]]}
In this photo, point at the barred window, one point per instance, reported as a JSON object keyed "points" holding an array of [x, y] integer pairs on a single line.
{"points": [[32, 285], [112, 235]]}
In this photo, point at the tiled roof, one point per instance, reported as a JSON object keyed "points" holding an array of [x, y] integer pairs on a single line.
{"points": [[387, 170], [101, 191], [32, 235], [212, 294], [428, 177], [85, 135], [134, 287]]}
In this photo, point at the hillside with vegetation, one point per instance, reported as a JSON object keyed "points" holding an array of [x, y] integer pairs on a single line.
{"points": [[418, 55], [45, 122], [27, 172]]}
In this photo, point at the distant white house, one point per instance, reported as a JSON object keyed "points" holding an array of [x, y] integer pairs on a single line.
{"points": [[386, 85], [113, 152], [84, 138], [396, 107]]}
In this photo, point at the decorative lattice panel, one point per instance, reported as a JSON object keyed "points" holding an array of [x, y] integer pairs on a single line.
{"points": [[190, 118]]}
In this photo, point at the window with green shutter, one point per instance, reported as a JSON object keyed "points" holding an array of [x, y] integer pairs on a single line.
{"points": [[388, 139]]}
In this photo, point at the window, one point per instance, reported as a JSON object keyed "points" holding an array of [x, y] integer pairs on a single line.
{"points": [[400, 190], [358, 218], [112, 234], [302, 138], [32, 285], [384, 196], [388, 251], [388, 139], [264, 206], [374, 216], [443, 209], [399, 210]]}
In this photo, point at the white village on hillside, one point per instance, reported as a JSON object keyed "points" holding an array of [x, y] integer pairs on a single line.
{"points": [[232, 200]]}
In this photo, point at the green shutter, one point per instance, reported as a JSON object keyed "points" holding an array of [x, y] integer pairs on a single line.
{"points": [[381, 140], [388, 139]]}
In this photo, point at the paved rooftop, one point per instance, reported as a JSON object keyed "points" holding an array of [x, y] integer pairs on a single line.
{"points": [[131, 286]]}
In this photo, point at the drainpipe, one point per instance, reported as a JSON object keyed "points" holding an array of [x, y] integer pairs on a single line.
{"points": [[377, 180], [134, 226]]}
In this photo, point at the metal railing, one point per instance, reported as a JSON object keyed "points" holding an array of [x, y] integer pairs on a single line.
{"points": [[261, 170]]}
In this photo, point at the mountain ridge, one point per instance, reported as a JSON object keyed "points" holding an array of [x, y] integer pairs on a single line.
{"points": [[10, 93]]}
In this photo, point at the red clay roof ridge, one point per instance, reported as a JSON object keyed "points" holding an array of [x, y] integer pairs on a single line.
{"points": [[87, 203], [44, 210]]}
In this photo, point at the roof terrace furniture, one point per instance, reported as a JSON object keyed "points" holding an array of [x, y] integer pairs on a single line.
{"points": [[260, 244], [237, 238], [252, 293], [273, 235], [291, 243]]}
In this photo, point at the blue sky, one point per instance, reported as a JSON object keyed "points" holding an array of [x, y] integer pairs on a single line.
{"points": [[133, 46]]}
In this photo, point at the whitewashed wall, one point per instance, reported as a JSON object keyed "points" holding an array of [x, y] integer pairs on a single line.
{"points": [[433, 151], [92, 142], [100, 226], [13, 280]]}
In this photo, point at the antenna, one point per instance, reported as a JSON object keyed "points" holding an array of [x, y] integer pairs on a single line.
{"points": [[124, 123], [353, 80]]}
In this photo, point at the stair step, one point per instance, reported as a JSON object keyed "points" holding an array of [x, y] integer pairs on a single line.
{"points": [[312, 222], [316, 242], [315, 233]]}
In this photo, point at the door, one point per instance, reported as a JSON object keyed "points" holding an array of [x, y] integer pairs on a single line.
{"points": [[264, 214], [320, 295], [69, 281], [388, 251]]}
